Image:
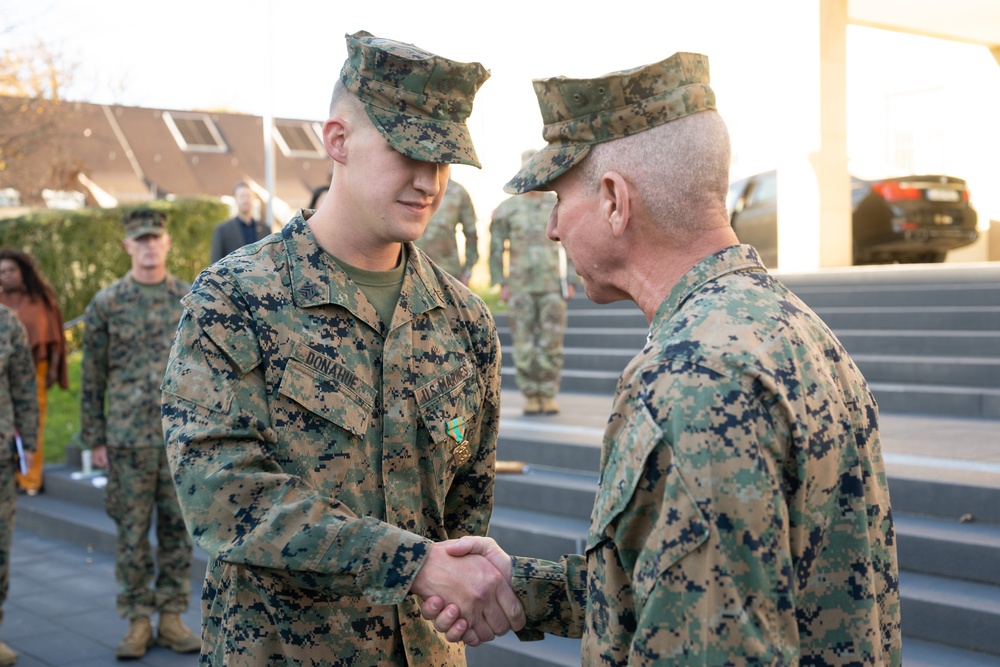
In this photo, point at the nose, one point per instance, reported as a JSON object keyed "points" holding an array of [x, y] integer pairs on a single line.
{"points": [[430, 177], [550, 227]]}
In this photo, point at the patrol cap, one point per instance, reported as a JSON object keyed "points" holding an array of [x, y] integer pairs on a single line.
{"points": [[143, 221], [579, 113], [418, 101]]}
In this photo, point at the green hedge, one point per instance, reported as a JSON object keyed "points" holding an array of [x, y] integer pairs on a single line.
{"points": [[81, 251]]}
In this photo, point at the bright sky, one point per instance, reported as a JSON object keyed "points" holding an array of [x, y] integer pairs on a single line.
{"points": [[252, 55]]}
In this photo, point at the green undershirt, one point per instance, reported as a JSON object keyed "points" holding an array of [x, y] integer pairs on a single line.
{"points": [[381, 288]]}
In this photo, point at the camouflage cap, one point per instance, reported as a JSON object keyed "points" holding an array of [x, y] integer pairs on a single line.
{"points": [[579, 113], [144, 221], [418, 101]]}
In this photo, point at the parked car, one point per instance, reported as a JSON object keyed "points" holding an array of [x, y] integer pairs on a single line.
{"points": [[907, 219]]}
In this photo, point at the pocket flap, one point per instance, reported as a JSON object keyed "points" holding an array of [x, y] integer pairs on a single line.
{"points": [[624, 461], [328, 389]]}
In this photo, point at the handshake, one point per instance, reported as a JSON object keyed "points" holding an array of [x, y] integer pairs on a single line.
{"points": [[466, 587]]}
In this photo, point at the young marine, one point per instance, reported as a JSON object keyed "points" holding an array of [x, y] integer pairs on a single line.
{"points": [[332, 398]]}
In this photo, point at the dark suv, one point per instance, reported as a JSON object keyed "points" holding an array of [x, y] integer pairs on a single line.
{"points": [[906, 220]]}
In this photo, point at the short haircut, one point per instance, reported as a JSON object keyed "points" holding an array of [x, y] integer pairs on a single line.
{"points": [[677, 167]]}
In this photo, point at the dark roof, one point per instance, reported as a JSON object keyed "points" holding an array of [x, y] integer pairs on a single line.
{"points": [[132, 154]]}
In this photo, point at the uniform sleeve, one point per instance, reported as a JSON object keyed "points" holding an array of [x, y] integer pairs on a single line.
{"points": [[239, 504], [553, 595], [467, 216], [498, 237], [700, 522], [23, 390], [94, 376]]}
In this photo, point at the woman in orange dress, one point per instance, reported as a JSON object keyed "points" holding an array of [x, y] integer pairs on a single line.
{"points": [[25, 290]]}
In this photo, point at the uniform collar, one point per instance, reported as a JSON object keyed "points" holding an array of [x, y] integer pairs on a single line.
{"points": [[317, 281], [728, 260]]}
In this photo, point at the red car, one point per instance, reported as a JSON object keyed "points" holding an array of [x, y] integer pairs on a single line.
{"points": [[906, 219]]}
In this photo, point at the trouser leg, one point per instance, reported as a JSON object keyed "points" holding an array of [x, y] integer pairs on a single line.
{"points": [[174, 546], [129, 498]]}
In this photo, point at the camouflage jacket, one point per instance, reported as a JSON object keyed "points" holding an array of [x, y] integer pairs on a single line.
{"points": [[18, 391], [128, 331], [518, 226], [742, 514], [438, 240], [317, 452]]}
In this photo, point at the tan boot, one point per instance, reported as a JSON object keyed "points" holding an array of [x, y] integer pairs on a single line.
{"points": [[548, 405], [532, 406], [137, 641], [7, 655], [173, 634]]}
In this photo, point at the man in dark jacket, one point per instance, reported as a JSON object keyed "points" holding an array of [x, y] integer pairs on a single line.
{"points": [[241, 230]]}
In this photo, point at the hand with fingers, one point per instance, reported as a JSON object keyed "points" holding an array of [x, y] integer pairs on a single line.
{"points": [[456, 621]]}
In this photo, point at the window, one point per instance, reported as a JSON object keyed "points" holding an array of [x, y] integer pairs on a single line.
{"points": [[298, 139], [195, 132]]}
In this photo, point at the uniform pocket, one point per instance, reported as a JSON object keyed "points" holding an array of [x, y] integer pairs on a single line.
{"points": [[449, 408], [328, 390], [624, 463], [666, 523]]}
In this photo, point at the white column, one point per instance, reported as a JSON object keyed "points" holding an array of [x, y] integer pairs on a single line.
{"points": [[814, 208]]}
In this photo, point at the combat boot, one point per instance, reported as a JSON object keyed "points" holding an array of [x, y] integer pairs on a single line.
{"points": [[532, 406], [548, 405], [173, 634], [7, 655], [137, 641]]}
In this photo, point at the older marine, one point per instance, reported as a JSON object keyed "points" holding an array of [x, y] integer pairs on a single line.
{"points": [[742, 515]]}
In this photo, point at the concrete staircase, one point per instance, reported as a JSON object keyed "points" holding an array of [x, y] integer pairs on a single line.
{"points": [[941, 438], [927, 338]]}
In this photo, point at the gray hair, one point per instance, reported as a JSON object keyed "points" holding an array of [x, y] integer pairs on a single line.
{"points": [[678, 168]]}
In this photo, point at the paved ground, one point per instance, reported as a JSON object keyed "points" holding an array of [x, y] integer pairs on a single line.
{"points": [[60, 611]]}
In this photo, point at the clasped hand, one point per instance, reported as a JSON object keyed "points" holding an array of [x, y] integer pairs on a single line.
{"points": [[466, 586]]}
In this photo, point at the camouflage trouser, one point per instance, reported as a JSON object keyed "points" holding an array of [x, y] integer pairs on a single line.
{"points": [[537, 325], [8, 503], [138, 481]]}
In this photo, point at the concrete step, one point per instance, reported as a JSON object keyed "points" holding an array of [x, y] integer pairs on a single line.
{"points": [[960, 318], [946, 401], [536, 534], [930, 343], [509, 651], [917, 653], [931, 370], [947, 611], [573, 380], [945, 492], [900, 294], [549, 491], [948, 548], [630, 339]]}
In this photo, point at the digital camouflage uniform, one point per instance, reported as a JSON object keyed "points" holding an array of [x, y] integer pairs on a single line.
{"points": [[18, 413], [438, 240], [743, 514], [318, 451], [536, 307], [129, 328]]}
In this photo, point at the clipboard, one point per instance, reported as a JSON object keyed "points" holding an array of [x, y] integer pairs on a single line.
{"points": [[21, 462]]}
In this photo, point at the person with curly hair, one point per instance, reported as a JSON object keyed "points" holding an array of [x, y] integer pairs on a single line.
{"points": [[25, 290]]}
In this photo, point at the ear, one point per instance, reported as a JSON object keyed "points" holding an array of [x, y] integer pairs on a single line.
{"points": [[334, 135], [615, 204]]}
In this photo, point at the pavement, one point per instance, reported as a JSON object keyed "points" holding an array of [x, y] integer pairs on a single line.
{"points": [[60, 611]]}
